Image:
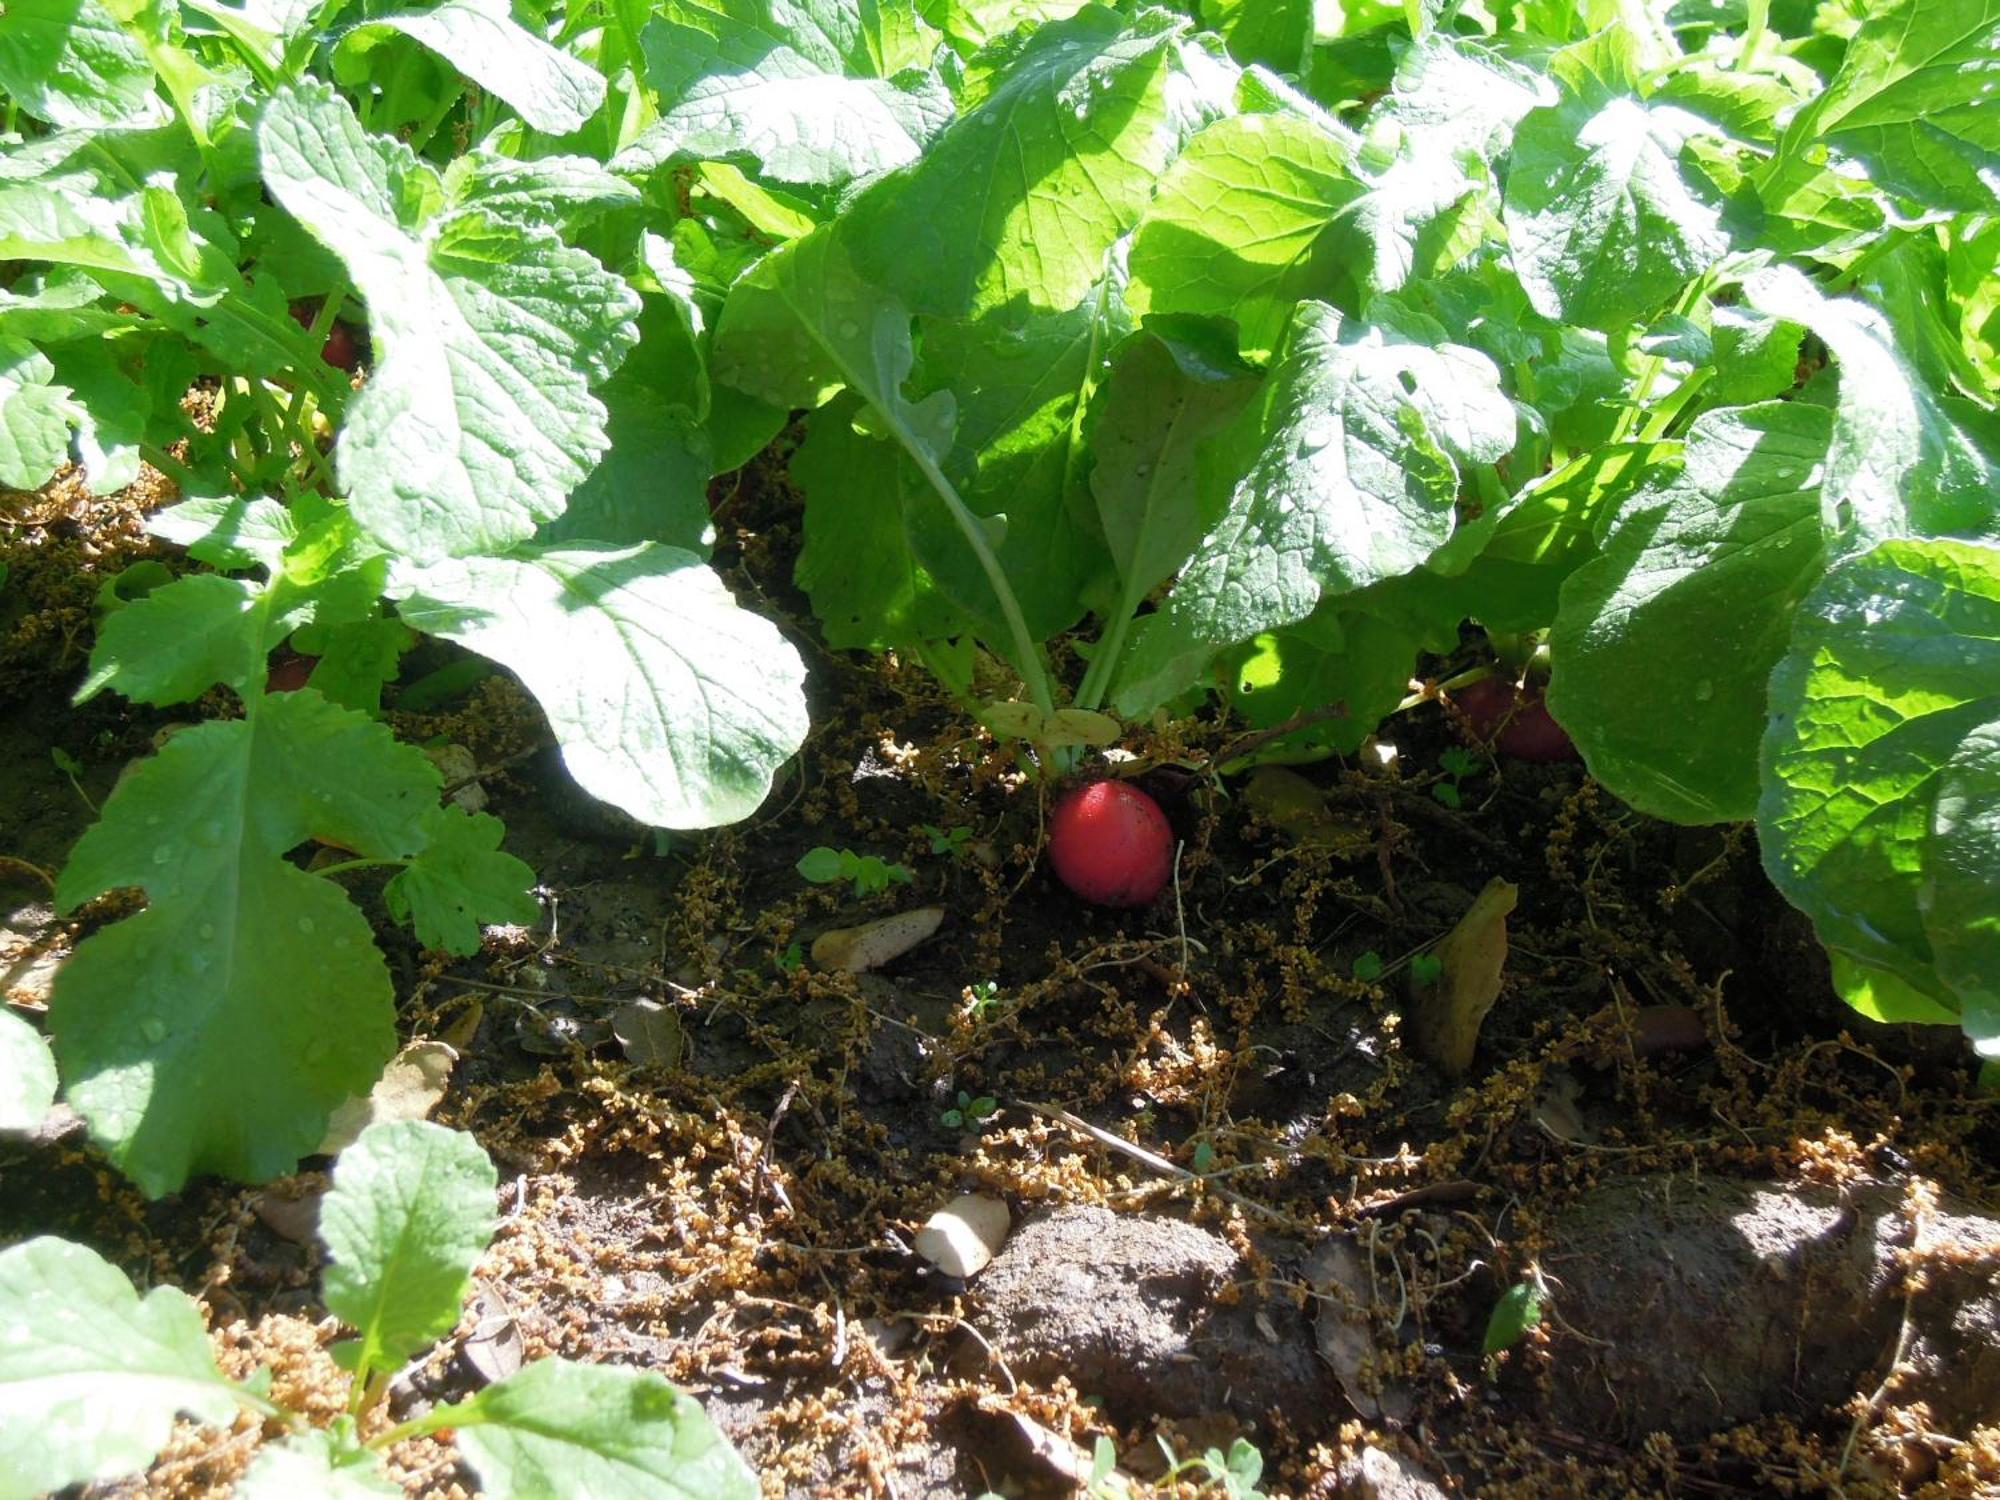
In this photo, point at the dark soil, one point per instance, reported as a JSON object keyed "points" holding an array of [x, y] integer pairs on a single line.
{"points": [[1191, 1103]]}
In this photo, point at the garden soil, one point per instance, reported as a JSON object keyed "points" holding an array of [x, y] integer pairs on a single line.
{"points": [[1758, 1230]]}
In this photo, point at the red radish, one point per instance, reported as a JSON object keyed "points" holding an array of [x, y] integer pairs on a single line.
{"points": [[342, 348], [289, 672], [1110, 844], [1514, 721]]}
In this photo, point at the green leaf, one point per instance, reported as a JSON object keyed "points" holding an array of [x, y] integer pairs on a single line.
{"points": [[1352, 659], [27, 1074], [1239, 228], [1346, 477], [308, 1466], [653, 483], [1964, 872], [231, 532], [1972, 270], [1897, 463], [180, 640], [410, 1211], [1879, 751], [803, 323], [1606, 221], [554, 190], [867, 586], [1518, 1310], [763, 82], [461, 882], [1429, 150], [113, 411], [565, 1431], [548, 88], [1018, 385], [1276, 33], [191, 1035], [1914, 101], [91, 1376], [1018, 201], [1157, 413], [669, 701], [1665, 641], [477, 420], [820, 866], [69, 63], [34, 417]]}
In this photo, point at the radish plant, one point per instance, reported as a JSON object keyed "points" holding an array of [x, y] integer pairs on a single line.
{"points": [[95, 1375]]}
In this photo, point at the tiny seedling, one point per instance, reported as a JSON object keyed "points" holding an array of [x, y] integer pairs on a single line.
{"points": [[71, 767], [981, 997], [869, 874], [1368, 966], [1519, 1309], [1457, 764], [970, 1111], [409, 1213], [948, 841], [1426, 968], [790, 960]]}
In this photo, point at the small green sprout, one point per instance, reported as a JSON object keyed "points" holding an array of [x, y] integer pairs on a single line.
{"points": [[970, 1111], [1518, 1310], [981, 998], [1368, 966], [951, 841], [1426, 967], [869, 874], [1457, 764], [790, 960]]}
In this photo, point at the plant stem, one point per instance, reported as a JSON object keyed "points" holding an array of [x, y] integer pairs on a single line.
{"points": [[359, 864], [1028, 656]]}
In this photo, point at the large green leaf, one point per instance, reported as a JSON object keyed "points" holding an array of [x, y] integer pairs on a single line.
{"points": [[1019, 386], [1018, 201], [1450, 113], [1239, 228], [1161, 403], [216, 1029], [866, 585], [1915, 99], [477, 420], [34, 416], [1964, 872], [1606, 218], [91, 1376], [547, 87], [27, 1074], [1877, 761], [180, 640], [1346, 478], [1665, 640], [70, 64], [669, 701], [410, 1211], [1897, 463], [565, 1431], [787, 88]]}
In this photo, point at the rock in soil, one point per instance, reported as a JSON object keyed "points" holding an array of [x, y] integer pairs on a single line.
{"points": [[1130, 1308], [1377, 1474], [1689, 1305]]}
